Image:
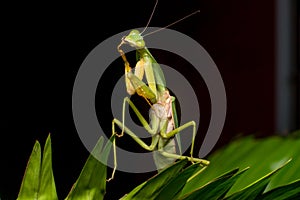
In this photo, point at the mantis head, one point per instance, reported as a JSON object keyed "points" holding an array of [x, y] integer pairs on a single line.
{"points": [[134, 39]]}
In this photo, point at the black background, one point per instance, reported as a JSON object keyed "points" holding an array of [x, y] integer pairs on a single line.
{"points": [[44, 45]]}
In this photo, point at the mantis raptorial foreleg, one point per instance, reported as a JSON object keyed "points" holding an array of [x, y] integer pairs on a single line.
{"points": [[143, 66]]}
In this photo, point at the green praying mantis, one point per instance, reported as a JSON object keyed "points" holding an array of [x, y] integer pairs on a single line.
{"points": [[163, 124]]}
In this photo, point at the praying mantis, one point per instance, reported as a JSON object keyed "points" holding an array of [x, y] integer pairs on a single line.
{"points": [[163, 124]]}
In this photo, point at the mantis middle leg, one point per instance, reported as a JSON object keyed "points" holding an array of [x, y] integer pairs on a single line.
{"points": [[151, 129]]}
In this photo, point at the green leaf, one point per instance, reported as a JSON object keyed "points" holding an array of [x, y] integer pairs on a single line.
{"points": [[91, 183], [173, 188], [255, 189], [47, 184], [38, 181], [261, 155], [265, 156], [30, 184], [216, 188], [151, 188], [289, 191]]}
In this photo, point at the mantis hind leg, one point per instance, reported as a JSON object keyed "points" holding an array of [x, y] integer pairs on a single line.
{"points": [[180, 157], [203, 163], [176, 131]]}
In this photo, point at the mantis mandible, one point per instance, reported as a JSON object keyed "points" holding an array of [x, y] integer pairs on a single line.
{"points": [[163, 125]]}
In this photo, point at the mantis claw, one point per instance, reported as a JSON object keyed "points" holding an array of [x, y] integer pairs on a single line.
{"points": [[120, 135], [107, 180], [123, 130], [192, 160]]}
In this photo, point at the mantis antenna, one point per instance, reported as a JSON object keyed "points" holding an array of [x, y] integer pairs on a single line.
{"points": [[150, 17], [183, 18]]}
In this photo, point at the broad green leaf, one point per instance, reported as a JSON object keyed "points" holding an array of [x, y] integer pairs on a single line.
{"points": [[289, 191], [261, 155], [151, 188], [216, 188], [174, 187], [91, 183], [218, 165], [133, 192], [255, 189], [264, 156], [38, 181]]}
